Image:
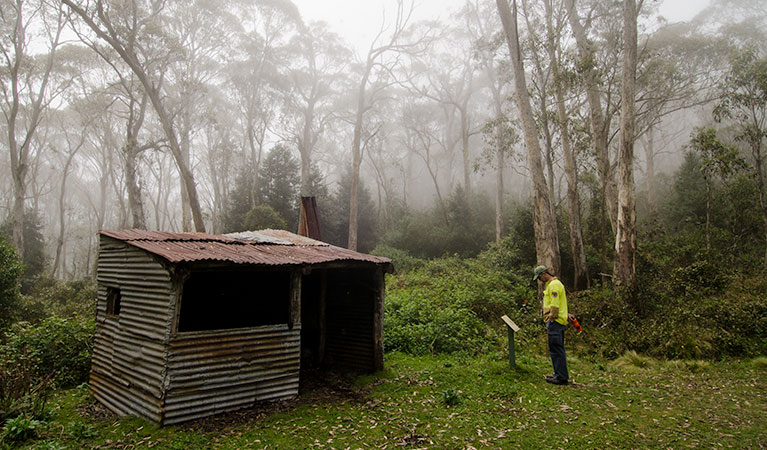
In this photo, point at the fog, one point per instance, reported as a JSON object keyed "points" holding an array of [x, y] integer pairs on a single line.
{"points": [[187, 116]]}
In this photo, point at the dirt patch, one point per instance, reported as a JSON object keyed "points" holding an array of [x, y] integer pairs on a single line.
{"points": [[330, 387], [95, 411], [317, 387], [250, 415]]}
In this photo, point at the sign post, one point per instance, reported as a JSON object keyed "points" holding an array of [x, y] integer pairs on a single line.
{"points": [[512, 329]]}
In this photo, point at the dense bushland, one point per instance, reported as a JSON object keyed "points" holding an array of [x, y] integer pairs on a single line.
{"points": [[454, 305], [48, 346], [698, 297]]}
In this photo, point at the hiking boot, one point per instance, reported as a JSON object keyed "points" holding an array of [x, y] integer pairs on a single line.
{"points": [[555, 380]]}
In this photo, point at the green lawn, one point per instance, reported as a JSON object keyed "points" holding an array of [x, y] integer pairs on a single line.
{"points": [[465, 403]]}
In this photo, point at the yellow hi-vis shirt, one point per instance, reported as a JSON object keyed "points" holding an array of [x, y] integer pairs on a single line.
{"points": [[554, 296]]}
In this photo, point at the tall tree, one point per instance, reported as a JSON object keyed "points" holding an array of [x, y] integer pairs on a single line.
{"points": [[624, 264], [744, 101], [375, 77], [265, 50], [541, 81], [453, 80], [421, 137], [125, 101], [500, 137], [70, 143], [717, 160], [29, 86], [220, 157], [600, 113], [544, 225], [281, 184], [202, 28], [123, 27], [482, 24], [554, 28], [312, 98]]}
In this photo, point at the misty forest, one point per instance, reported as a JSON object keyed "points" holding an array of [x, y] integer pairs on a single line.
{"points": [[624, 151]]}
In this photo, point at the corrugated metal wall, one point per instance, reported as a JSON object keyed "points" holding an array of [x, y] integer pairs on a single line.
{"points": [[142, 366], [129, 350], [215, 371]]}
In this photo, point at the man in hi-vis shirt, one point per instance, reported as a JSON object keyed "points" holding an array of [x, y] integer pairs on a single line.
{"points": [[555, 316]]}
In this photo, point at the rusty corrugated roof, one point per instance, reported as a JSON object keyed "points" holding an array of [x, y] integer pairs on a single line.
{"points": [[264, 247]]}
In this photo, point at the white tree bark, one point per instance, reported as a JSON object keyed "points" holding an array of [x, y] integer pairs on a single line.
{"points": [[580, 276], [624, 264], [546, 247]]}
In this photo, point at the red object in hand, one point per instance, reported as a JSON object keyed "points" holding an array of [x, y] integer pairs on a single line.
{"points": [[576, 324]]}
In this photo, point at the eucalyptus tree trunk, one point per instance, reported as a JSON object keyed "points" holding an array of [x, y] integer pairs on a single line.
{"points": [[135, 204], [499, 157], [624, 264], [357, 159], [500, 152], [465, 135], [600, 127], [185, 148], [581, 275], [131, 151], [305, 149], [57, 261], [546, 247]]}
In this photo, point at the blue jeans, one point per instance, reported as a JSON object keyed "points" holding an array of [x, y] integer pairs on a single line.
{"points": [[557, 349]]}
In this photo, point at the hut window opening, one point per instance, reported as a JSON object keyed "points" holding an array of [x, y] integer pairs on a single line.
{"points": [[216, 300], [113, 301]]}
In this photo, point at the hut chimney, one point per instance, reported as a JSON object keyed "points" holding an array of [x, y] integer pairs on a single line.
{"points": [[309, 221]]}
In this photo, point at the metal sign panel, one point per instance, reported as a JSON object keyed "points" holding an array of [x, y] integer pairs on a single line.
{"points": [[510, 323]]}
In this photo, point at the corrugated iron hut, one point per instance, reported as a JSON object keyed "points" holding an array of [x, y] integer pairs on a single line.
{"points": [[192, 324]]}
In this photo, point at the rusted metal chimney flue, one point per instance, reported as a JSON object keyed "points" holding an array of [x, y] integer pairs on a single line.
{"points": [[309, 223]]}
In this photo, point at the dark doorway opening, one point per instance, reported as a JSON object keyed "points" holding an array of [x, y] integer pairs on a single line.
{"points": [[337, 324]]}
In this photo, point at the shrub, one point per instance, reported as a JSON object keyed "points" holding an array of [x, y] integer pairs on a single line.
{"points": [[732, 322], [10, 271], [692, 304], [20, 393], [736, 320], [59, 348], [420, 327], [20, 428], [261, 217], [52, 297], [402, 260], [463, 227], [452, 305]]}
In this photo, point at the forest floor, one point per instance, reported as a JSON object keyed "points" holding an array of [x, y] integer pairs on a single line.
{"points": [[462, 403]]}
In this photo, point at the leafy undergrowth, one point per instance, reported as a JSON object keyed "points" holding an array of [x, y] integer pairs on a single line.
{"points": [[463, 403]]}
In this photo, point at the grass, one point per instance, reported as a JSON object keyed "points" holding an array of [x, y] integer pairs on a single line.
{"points": [[463, 403]]}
